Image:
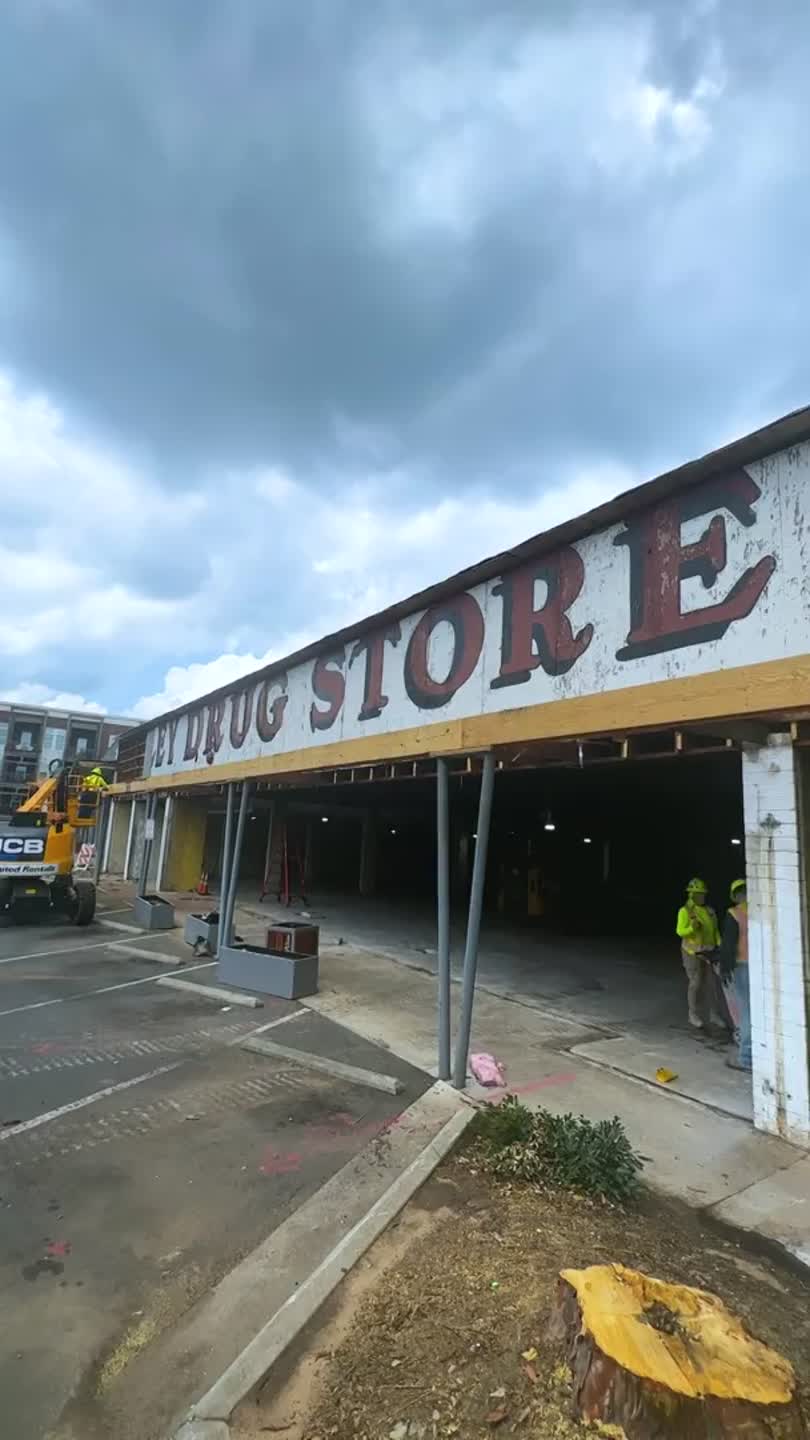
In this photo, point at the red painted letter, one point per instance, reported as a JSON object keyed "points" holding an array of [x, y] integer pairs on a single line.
{"points": [[240, 724], [374, 701], [659, 563], [329, 685], [194, 725], [213, 738], [463, 614], [268, 725], [173, 724], [531, 637]]}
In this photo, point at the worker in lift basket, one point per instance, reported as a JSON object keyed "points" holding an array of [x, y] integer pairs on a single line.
{"points": [[699, 935], [733, 964], [92, 787]]}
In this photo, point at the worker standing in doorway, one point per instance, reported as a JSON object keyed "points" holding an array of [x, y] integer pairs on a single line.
{"points": [[698, 932], [734, 971]]}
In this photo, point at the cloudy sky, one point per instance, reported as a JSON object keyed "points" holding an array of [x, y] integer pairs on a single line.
{"points": [[306, 303]]}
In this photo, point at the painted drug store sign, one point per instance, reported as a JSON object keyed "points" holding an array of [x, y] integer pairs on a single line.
{"points": [[712, 578]]}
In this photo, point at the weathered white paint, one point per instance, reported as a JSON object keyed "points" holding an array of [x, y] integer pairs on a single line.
{"points": [[772, 534], [774, 872]]}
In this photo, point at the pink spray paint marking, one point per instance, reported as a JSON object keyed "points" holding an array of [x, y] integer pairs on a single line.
{"points": [[59, 1247], [564, 1078], [320, 1137], [280, 1163]]}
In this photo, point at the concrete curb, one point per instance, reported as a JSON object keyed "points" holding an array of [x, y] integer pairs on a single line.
{"points": [[258, 1357], [374, 1079], [213, 992], [159, 956], [119, 925]]}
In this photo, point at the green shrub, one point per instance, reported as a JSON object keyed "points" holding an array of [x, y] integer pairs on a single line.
{"points": [[563, 1151], [498, 1126]]}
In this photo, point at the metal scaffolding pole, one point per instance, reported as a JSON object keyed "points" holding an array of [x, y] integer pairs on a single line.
{"points": [[268, 853], [151, 806], [164, 838], [106, 808], [474, 921], [443, 904], [105, 859], [225, 868], [130, 832], [234, 868]]}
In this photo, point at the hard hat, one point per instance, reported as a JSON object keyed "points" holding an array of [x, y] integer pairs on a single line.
{"points": [[696, 885], [737, 885]]}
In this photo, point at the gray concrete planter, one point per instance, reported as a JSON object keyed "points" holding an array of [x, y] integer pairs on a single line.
{"points": [[198, 927], [268, 971], [152, 913]]}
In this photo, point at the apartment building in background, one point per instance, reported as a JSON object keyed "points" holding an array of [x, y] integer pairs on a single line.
{"points": [[32, 736]]}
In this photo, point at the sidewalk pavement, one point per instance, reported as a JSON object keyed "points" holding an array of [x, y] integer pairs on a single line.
{"points": [[707, 1154]]}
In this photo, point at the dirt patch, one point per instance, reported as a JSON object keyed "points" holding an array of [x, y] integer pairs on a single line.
{"points": [[442, 1332], [301, 1380]]}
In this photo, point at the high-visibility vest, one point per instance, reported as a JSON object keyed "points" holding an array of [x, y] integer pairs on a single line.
{"points": [[740, 913], [697, 930]]}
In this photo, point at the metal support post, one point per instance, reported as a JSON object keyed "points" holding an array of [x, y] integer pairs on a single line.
{"points": [[474, 921], [143, 884], [224, 879], [130, 830], [268, 853], [164, 836], [227, 929], [443, 919], [103, 832], [105, 859]]}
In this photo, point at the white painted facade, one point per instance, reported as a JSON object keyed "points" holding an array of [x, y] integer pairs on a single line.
{"points": [[747, 531], [777, 940], [715, 578]]}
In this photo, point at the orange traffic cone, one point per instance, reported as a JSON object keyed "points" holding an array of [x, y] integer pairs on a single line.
{"points": [[202, 885]]}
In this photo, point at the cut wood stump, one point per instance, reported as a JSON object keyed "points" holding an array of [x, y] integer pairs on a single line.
{"points": [[667, 1362]]}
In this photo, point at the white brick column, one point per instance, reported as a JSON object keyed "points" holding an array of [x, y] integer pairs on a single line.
{"points": [[777, 939]]}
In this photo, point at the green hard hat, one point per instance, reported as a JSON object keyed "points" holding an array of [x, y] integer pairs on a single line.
{"points": [[737, 885], [695, 885]]}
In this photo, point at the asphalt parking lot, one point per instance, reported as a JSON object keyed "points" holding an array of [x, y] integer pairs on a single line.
{"points": [[143, 1153]]}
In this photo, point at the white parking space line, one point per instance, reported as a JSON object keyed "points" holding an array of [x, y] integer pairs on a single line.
{"points": [[119, 925], [270, 1025], [86, 1100], [104, 990], [57, 950], [159, 956]]}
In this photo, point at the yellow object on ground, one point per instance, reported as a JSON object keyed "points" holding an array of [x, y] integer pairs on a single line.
{"points": [[664, 1076], [678, 1337]]}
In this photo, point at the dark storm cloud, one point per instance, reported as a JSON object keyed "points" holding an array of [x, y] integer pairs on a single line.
{"points": [[191, 197], [425, 247]]}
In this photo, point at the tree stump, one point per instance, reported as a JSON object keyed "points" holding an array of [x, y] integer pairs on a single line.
{"points": [[667, 1362]]}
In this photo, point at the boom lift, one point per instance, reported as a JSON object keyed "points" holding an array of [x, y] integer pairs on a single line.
{"points": [[36, 850]]}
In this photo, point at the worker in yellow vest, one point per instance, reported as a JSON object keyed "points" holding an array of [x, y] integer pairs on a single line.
{"points": [[95, 780], [734, 971], [93, 786], [699, 934]]}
